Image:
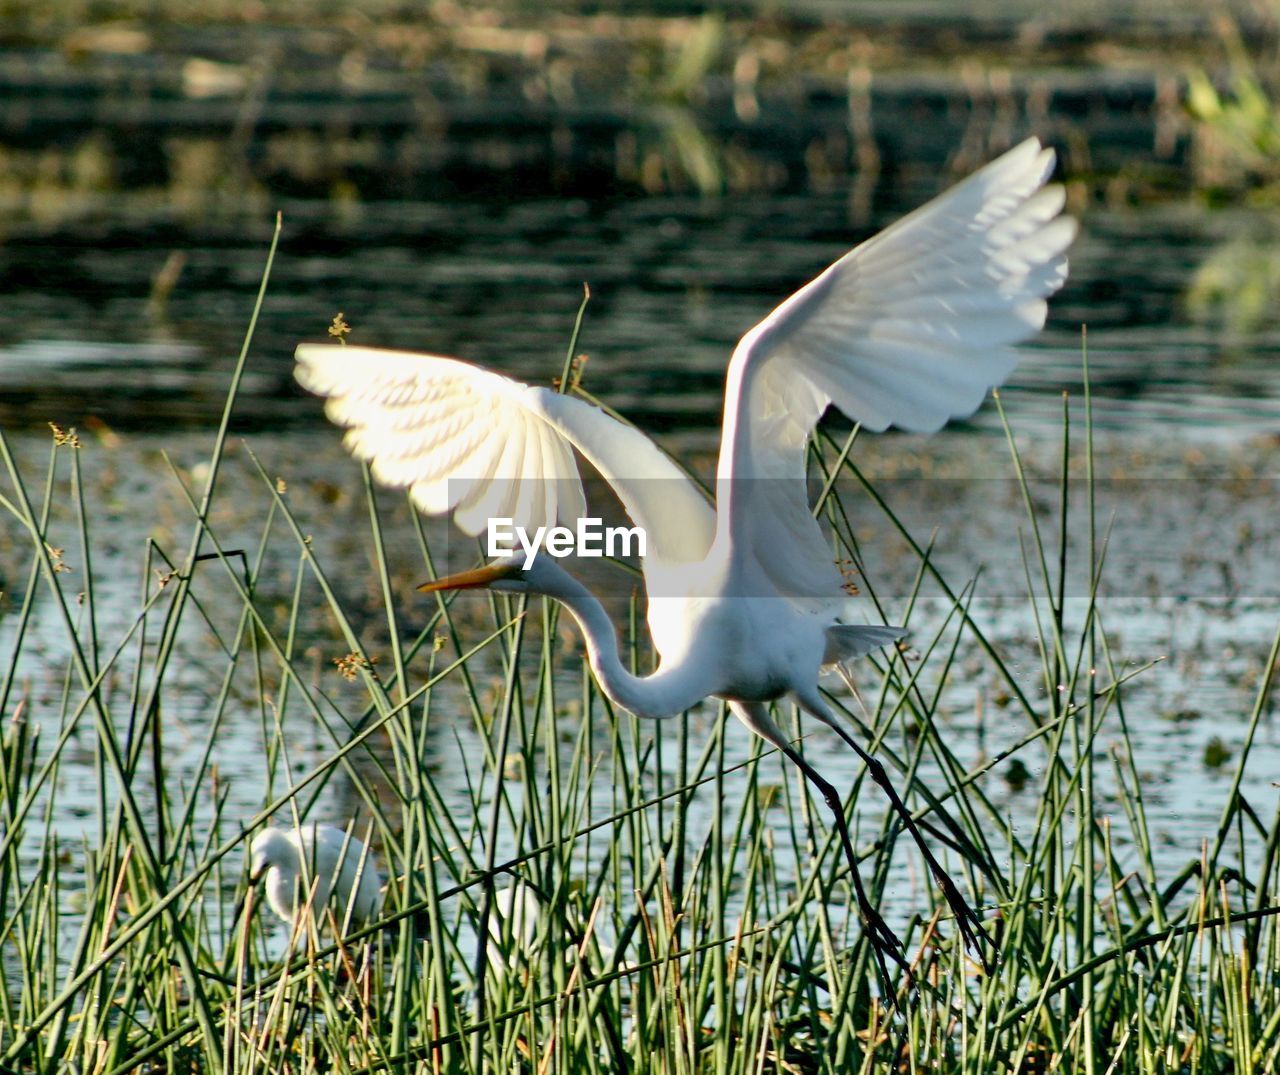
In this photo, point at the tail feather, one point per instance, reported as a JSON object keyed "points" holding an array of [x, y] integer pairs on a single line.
{"points": [[845, 641]]}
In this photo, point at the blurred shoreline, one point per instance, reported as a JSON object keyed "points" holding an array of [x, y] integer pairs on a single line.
{"points": [[218, 107]]}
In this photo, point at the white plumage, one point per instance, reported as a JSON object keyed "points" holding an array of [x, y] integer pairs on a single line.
{"points": [[314, 864], [323, 867], [909, 329], [516, 911]]}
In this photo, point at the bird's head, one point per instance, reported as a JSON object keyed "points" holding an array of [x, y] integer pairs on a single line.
{"points": [[271, 847], [506, 575]]}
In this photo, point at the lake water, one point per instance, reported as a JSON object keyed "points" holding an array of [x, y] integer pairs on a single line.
{"points": [[1180, 322]]}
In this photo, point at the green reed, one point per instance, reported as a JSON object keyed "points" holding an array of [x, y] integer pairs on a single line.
{"points": [[694, 909]]}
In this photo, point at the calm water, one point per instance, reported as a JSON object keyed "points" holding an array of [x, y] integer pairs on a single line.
{"points": [[1181, 381], [1179, 336]]}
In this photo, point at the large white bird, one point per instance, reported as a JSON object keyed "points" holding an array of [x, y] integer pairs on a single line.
{"points": [[910, 329]]}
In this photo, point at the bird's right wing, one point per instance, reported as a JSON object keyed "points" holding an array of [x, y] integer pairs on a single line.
{"points": [[483, 446]]}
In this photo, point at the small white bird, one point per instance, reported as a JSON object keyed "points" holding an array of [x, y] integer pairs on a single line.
{"points": [[312, 865], [344, 873]]}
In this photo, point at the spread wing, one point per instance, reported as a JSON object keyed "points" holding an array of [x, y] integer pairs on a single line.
{"points": [[909, 329], [482, 446]]}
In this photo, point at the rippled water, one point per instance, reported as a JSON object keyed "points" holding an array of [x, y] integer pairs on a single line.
{"points": [[1167, 293]]}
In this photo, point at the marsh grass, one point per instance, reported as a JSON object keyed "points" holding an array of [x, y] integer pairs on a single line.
{"points": [[663, 943]]}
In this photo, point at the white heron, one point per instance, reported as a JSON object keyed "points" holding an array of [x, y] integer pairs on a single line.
{"points": [[311, 865], [316, 866], [909, 329]]}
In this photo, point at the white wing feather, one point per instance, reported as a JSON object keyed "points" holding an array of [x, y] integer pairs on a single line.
{"points": [[909, 329], [481, 445]]}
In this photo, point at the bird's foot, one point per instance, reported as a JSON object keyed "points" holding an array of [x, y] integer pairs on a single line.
{"points": [[976, 939], [885, 945]]}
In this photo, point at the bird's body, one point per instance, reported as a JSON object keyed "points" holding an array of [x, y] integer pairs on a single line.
{"points": [[745, 603], [515, 912], [316, 866]]}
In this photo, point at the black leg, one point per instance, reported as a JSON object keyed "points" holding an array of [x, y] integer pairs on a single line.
{"points": [[884, 942], [967, 920]]}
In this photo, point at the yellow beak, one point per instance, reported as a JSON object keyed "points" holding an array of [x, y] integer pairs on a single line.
{"points": [[473, 580]]}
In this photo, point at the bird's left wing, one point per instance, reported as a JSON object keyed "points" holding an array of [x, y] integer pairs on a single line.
{"points": [[465, 440], [909, 329]]}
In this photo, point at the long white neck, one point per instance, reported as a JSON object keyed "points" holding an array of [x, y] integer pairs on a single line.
{"points": [[670, 690]]}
